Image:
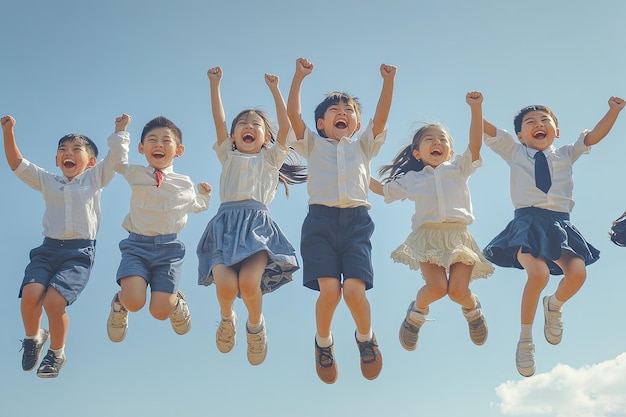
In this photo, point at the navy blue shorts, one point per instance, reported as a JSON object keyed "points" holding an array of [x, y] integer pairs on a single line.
{"points": [[64, 265], [335, 243], [157, 259]]}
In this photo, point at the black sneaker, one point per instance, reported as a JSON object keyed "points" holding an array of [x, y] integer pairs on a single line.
{"points": [[32, 351], [50, 365]]}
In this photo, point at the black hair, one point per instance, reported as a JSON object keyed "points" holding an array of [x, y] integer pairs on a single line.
{"points": [[162, 121], [91, 147], [517, 120], [333, 98]]}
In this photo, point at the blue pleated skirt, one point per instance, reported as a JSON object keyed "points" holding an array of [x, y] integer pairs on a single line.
{"points": [[239, 230], [542, 233]]}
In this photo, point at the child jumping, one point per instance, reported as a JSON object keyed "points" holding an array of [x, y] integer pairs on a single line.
{"points": [[242, 250], [439, 243], [152, 255], [335, 241], [540, 238], [59, 269]]}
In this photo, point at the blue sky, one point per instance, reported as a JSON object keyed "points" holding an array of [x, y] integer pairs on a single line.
{"points": [[75, 66]]}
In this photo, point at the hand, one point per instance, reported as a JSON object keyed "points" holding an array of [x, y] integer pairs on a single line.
{"points": [[304, 66], [616, 103], [8, 122], [204, 188], [474, 97], [388, 71], [122, 122], [215, 74], [271, 80]]}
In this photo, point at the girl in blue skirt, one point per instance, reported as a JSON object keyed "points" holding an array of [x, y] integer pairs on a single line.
{"points": [[243, 251], [540, 238]]}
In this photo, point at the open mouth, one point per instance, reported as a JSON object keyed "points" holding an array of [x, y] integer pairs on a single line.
{"points": [[539, 135], [158, 155], [68, 163], [341, 124], [436, 152], [248, 138]]}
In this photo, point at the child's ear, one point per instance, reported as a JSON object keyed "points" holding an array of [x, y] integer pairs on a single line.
{"points": [[416, 154], [358, 126], [557, 132], [140, 147], [320, 124], [180, 149], [268, 137], [519, 137], [92, 162]]}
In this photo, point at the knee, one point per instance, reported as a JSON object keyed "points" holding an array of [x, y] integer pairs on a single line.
{"points": [[457, 293], [133, 304], [330, 296], [160, 312], [353, 292], [54, 306], [439, 290]]}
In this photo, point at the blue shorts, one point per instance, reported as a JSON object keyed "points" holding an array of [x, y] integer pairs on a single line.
{"points": [[64, 265], [335, 243], [157, 259]]}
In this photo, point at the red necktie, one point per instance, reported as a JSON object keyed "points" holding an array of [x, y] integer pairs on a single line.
{"points": [[159, 177]]}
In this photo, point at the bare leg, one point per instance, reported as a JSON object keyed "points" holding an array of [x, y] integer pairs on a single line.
{"points": [[133, 292], [458, 289], [58, 320], [250, 276], [330, 295], [226, 288], [31, 307], [354, 295]]}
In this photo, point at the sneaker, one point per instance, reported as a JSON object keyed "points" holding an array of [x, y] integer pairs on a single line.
{"points": [[51, 365], [553, 326], [117, 324], [257, 345], [225, 335], [180, 316], [477, 324], [325, 364], [525, 358], [410, 327], [32, 350], [371, 358]]}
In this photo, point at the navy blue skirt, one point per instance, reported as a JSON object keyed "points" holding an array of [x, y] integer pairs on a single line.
{"points": [[542, 233], [239, 230]]}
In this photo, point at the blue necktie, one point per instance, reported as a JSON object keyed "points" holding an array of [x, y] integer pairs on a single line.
{"points": [[542, 172]]}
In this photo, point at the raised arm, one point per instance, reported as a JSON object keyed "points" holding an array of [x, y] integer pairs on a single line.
{"points": [[12, 152], [294, 107], [388, 72], [281, 110], [219, 118], [605, 124], [475, 101], [489, 129]]}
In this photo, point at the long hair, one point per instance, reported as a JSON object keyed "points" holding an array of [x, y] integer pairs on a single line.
{"points": [[291, 172], [404, 161]]}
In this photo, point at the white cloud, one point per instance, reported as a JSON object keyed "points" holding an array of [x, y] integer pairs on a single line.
{"points": [[591, 391]]}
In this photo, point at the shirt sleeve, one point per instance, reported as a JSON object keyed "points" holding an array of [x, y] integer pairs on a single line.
{"points": [[222, 149], [503, 144], [395, 190]]}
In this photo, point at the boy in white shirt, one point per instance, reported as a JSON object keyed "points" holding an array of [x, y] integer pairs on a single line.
{"points": [[152, 255], [59, 269]]}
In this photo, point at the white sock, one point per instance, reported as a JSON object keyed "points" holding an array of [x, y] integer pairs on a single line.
{"points": [[59, 353], [255, 327], [364, 337], [554, 304], [526, 335], [37, 337], [230, 318], [324, 342]]}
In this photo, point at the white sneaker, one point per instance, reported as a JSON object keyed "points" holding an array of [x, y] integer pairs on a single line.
{"points": [[180, 318], [553, 327], [225, 335], [257, 345], [410, 327], [525, 358], [117, 324], [477, 324]]}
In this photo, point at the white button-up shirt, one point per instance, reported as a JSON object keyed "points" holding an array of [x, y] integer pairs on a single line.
{"points": [[440, 194], [339, 171], [72, 207], [520, 159], [156, 210]]}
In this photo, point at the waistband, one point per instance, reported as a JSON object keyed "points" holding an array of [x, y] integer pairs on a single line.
{"points": [[68, 244], [321, 210], [444, 226], [152, 239], [242, 204], [536, 211]]}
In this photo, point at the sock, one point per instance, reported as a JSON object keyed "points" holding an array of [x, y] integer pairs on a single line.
{"points": [[36, 337], [324, 342], [467, 310], [365, 337], [230, 318], [59, 353], [255, 327], [422, 311], [554, 304], [526, 334]]}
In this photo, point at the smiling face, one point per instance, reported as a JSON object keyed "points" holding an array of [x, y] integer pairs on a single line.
{"points": [[538, 130], [338, 116], [434, 146], [250, 132], [74, 158], [160, 146]]}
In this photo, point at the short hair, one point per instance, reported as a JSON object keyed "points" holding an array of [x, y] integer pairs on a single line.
{"points": [[333, 98], [91, 147], [162, 121], [519, 117]]}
